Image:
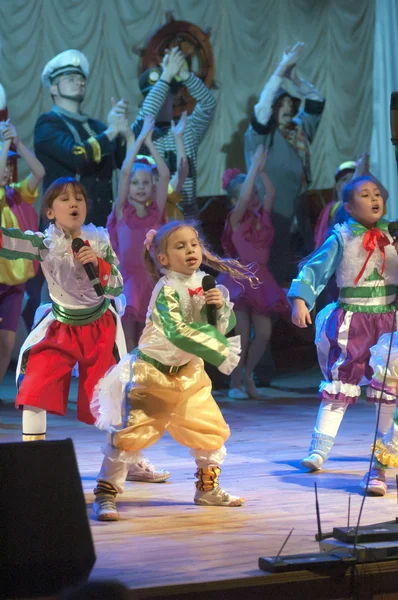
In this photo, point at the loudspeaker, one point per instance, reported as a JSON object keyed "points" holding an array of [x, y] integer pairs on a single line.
{"points": [[45, 538]]}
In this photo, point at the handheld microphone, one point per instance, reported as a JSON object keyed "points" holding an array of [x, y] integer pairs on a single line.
{"points": [[78, 243], [208, 283], [393, 230], [394, 122]]}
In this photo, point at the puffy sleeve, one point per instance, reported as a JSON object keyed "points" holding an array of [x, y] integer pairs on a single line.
{"points": [[22, 187], [317, 271], [109, 275], [16, 244], [199, 339]]}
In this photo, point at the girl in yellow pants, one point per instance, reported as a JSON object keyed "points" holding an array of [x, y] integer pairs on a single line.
{"points": [[162, 384]]}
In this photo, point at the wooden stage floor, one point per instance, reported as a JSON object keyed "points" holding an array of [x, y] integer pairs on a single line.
{"points": [[163, 539]]}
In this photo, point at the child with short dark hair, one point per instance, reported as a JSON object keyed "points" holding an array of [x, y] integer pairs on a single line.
{"points": [[361, 253], [82, 327]]}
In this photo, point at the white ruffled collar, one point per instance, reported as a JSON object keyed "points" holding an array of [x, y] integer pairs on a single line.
{"points": [[88, 232], [186, 280], [59, 245]]}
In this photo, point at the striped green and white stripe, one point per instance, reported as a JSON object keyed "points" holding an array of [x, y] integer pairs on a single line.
{"points": [[17, 244], [199, 339]]}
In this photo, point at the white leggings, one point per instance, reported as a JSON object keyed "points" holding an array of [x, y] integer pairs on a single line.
{"points": [[34, 421], [331, 414]]}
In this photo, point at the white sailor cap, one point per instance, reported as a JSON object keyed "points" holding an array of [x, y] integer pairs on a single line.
{"points": [[69, 61]]}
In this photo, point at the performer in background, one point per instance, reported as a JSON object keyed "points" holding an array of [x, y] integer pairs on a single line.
{"points": [[162, 385], [82, 327], [140, 206], [71, 144], [366, 266], [17, 212], [248, 234], [286, 133], [157, 85]]}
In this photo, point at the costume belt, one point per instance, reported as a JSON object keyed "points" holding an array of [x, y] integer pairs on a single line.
{"points": [[167, 369], [79, 316]]}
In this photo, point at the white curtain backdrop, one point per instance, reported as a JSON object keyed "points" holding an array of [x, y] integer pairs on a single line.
{"points": [[248, 38], [385, 81]]}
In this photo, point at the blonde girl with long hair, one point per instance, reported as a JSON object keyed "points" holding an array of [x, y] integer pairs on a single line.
{"points": [[162, 385]]}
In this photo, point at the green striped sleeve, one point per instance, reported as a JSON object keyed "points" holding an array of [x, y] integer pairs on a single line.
{"points": [[14, 244], [114, 286], [199, 339]]}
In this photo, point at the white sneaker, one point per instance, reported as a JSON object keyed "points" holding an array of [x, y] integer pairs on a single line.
{"points": [[237, 394], [313, 462], [217, 497], [104, 507], [144, 471], [377, 482]]}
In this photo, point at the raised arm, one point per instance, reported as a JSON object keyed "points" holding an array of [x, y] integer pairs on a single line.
{"points": [[154, 101], [258, 162], [263, 108], [303, 88], [125, 172], [181, 174], [36, 168], [163, 170], [4, 150], [205, 108], [269, 197]]}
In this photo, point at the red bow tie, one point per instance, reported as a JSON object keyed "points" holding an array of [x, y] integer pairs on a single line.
{"points": [[197, 292], [373, 238]]}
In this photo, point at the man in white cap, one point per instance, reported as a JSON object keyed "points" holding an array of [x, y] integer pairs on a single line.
{"points": [[70, 144]]}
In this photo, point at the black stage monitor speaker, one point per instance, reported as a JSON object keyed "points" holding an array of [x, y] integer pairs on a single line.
{"points": [[45, 538]]}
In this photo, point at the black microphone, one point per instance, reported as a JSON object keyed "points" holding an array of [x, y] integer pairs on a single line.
{"points": [[78, 243], [394, 122], [393, 230], [208, 283]]}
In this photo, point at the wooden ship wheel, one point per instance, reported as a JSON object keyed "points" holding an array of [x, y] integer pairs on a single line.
{"points": [[193, 42]]}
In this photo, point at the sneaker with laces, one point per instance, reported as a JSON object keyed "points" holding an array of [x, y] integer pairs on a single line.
{"points": [[377, 483], [313, 462], [104, 507], [217, 497], [145, 471]]}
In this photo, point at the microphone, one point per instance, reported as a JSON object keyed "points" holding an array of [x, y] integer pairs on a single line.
{"points": [[393, 230], [394, 122], [78, 243], [208, 283]]}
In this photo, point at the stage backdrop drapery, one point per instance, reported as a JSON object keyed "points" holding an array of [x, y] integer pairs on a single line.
{"points": [[248, 39], [385, 81]]}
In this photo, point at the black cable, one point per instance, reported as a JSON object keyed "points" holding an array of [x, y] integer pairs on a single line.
{"points": [[393, 330]]}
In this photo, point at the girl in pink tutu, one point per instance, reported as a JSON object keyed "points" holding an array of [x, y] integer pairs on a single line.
{"points": [[139, 207], [248, 234]]}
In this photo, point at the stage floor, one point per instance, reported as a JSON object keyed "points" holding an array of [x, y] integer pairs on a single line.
{"points": [[163, 539]]}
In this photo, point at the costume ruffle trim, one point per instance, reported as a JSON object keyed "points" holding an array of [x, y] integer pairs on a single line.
{"points": [[386, 454], [233, 357], [338, 387], [58, 242], [374, 393], [205, 458], [114, 454], [106, 404]]}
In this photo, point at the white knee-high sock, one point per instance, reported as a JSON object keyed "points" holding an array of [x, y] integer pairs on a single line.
{"points": [[330, 415], [34, 424], [385, 419]]}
